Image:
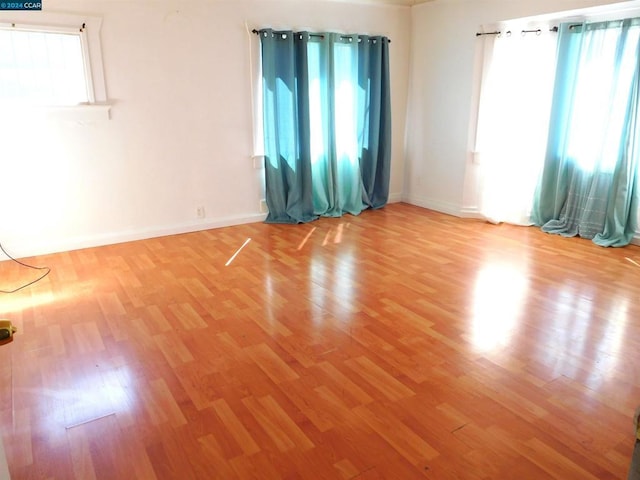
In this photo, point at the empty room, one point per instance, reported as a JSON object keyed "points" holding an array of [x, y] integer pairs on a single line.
{"points": [[301, 239]]}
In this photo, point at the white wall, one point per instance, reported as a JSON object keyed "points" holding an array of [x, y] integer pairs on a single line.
{"points": [[439, 169], [180, 134]]}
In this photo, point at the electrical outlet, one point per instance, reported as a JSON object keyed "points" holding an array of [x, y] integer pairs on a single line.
{"points": [[263, 206], [200, 212]]}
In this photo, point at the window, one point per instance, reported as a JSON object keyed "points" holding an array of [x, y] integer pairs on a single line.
{"points": [[55, 65], [326, 108], [599, 117], [43, 67], [588, 156]]}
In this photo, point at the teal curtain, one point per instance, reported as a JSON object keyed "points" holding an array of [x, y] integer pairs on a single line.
{"points": [[327, 124], [588, 186]]}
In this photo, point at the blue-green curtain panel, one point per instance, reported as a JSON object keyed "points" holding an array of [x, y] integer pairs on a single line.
{"points": [[327, 124], [286, 127], [375, 142], [588, 185]]}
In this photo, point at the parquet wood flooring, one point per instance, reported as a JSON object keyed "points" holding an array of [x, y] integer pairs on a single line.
{"points": [[398, 344]]}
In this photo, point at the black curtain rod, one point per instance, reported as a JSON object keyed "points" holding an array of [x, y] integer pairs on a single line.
{"points": [[317, 35], [523, 32], [479, 34]]}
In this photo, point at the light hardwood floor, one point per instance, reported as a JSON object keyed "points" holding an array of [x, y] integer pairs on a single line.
{"points": [[398, 344]]}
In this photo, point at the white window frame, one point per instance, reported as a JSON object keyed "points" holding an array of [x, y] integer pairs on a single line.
{"points": [[88, 26]]}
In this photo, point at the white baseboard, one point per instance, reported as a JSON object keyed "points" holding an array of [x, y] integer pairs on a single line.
{"points": [[68, 244], [395, 198], [77, 243], [131, 235], [466, 212], [438, 206], [472, 212]]}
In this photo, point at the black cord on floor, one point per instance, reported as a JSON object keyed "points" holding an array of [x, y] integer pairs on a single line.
{"points": [[24, 265]]}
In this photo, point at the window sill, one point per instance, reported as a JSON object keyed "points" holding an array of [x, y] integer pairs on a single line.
{"points": [[74, 113], [78, 113]]}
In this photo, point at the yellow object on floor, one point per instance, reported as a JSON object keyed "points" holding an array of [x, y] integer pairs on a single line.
{"points": [[7, 329]]}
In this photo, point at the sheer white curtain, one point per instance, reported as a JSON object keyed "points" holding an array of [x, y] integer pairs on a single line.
{"points": [[513, 120]]}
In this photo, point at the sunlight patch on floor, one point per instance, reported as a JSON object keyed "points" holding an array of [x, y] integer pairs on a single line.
{"points": [[233, 257], [499, 292], [20, 301]]}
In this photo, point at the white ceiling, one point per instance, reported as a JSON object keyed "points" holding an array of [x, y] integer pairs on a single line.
{"points": [[405, 2], [401, 2], [389, 2]]}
